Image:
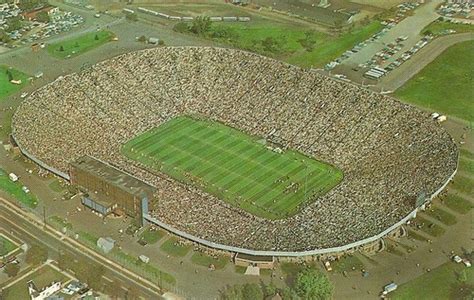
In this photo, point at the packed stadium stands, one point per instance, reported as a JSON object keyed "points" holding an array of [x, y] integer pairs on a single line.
{"points": [[390, 153]]}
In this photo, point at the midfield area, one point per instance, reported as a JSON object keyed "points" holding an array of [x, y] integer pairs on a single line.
{"points": [[234, 166]]}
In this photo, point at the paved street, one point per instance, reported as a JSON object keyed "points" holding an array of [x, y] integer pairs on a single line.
{"points": [[33, 233]]}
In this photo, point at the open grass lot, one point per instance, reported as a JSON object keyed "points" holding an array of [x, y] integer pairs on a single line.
{"points": [[151, 236], [6, 87], [289, 42], [347, 263], [430, 227], [441, 27], [6, 246], [42, 277], [442, 216], [442, 283], [56, 186], [205, 260], [14, 190], [233, 166], [414, 235], [463, 184], [445, 85], [458, 204], [80, 44], [174, 248]]}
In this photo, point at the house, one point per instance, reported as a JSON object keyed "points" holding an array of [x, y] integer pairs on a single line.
{"points": [[44, 293]]}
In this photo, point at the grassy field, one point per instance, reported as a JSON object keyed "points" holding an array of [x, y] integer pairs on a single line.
{"points": [[172, 247], [233, 166], [458, 204], [152, 236], [80, 44], [56, 186], [14, 190], [442, 283], [347, 263], [6, 87], [6, 246], [289, 42], [445, 85], [41, 278], [441, 28], [205, 260], [430, 227], [442, 215]]}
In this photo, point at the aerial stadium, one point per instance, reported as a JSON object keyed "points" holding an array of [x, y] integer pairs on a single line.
{"points": [[244, 151]]}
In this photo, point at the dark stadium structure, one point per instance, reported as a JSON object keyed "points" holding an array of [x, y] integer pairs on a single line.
{"points": [[394, 157], [107, 188]]}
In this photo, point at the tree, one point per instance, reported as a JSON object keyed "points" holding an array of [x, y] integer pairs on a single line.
{"points": [[61, 48], [43, 17], [11, 269], [232, 292], [309, 41], [201, 25], [142, 39], [4, 37], [90, 274], [14, 24], [9, 75], [131, 17], [65, 261], [313, 284], [252, 291], [181, 27], [96, 37], [36, 255]]}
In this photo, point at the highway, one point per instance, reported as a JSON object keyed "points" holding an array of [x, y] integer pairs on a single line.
{"points": [[30, 233]]}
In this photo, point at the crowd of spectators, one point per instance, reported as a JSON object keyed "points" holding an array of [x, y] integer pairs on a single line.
{"points": [[390, 153]]}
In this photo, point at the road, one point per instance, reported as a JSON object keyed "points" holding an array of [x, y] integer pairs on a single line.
{"points": [[396, 78], [32, 233]]}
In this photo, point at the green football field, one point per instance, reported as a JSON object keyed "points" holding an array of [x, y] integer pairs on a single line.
{"points": [[233, 166]]}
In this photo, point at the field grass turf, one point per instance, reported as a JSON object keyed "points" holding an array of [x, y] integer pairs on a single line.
{"points": [[441, 27], [14, 189], [78, 45], [287, 40], [6, 246], [442, 215], [445, 85], [233, 166], [6, 87], [152, 236], [173, 248], [205, 260], [42, 277], [442, 283], [458, 204]]}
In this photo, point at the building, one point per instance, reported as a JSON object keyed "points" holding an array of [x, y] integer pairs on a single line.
{"points": [[44, 293], [106, 244], [260, 261], [107, 189]]}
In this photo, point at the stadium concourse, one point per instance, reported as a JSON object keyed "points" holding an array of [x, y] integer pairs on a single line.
{"points": [[390, 153]]}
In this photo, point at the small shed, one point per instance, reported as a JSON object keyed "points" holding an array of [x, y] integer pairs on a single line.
{"points": [[106, 244]]}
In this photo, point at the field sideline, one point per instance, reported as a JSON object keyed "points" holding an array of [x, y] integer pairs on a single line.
{"points": [[233, 166]]}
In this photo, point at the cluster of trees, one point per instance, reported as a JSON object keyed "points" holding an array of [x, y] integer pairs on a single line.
{"points": [[35, 256], [310, 284]]}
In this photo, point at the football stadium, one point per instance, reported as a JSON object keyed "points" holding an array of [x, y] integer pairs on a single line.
{"points": [[244, 151]]}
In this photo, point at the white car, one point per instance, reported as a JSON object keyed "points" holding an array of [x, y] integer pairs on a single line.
{"points": [[457, 259], [466, 262], [23, 95]]}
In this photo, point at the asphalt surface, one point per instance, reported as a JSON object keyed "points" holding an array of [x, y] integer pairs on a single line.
{"points": [[31, 233]]}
